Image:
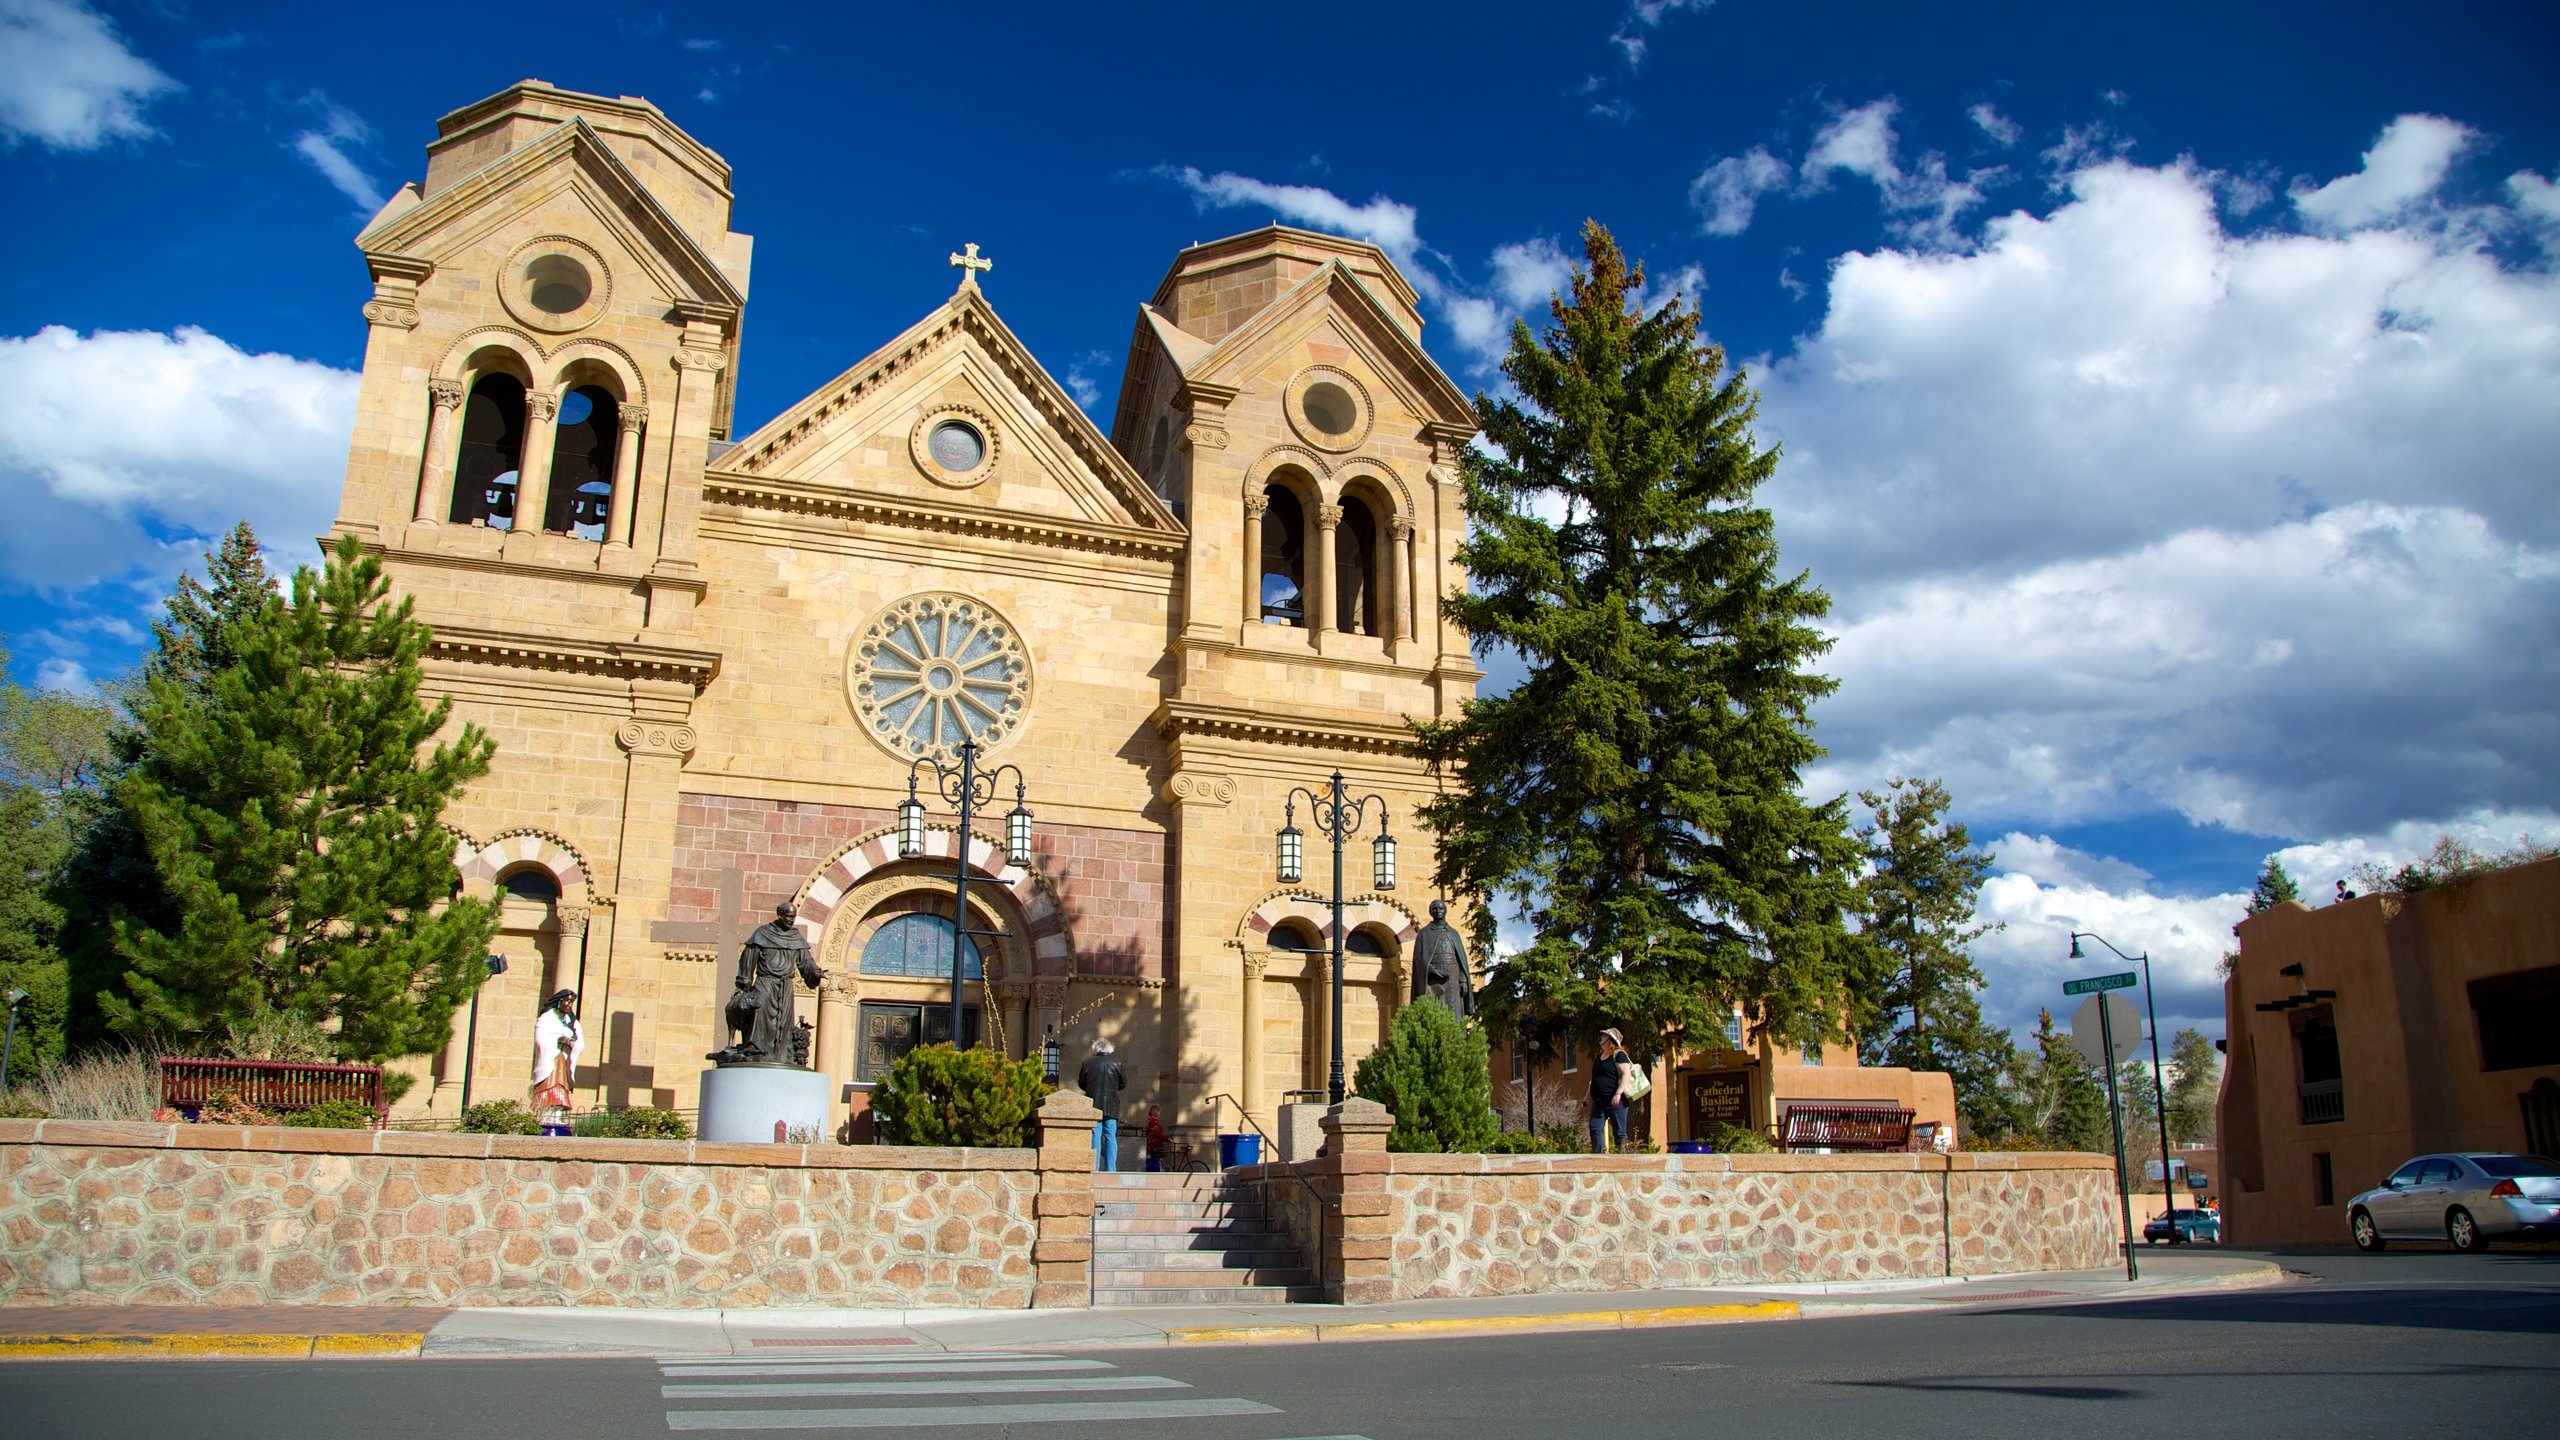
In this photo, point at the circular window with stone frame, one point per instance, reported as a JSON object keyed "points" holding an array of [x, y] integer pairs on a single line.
{"points": [[1330, 408], [955, 446], [935, 669], [555, 283]]}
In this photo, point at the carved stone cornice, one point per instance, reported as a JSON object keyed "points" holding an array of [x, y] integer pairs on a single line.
{"points": [[620, 659], [1359, 734], [444, 394], [651, 737], [1049, 992], [1447, 440], [705, 360], [541, 406], [382, 312], [406, 269], [1205, 437], [1201, 789], [917, 513]]}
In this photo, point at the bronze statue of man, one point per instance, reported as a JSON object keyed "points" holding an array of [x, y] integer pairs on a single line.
{"points": [[760, 1007], [1440, 964]]}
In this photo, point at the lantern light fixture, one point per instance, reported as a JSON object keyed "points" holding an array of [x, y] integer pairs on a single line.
{"points": [[1017, 832], [1382, 854], [1293, 849], [910, 822]]}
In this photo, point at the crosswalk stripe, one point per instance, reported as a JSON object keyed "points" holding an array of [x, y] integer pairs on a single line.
{"points": [[852, 1389], [922, 1417], [912, 1367], [904, 1357]]}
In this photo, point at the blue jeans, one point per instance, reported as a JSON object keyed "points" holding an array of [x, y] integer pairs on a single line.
{"points": [[1613, 1116], [1106, 1143]]}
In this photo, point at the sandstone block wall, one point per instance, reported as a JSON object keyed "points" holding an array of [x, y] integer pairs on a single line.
{"points": [[115, 1214]]}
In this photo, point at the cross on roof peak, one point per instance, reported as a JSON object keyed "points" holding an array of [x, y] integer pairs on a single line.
{"points": [[970, 264]]}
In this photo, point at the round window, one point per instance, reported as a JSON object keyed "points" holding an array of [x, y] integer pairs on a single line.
{"points": [[1330, 408], [557, 284], [933, 671], [957, 446]]}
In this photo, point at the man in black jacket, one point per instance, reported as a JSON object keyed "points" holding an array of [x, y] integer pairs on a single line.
{"points": [[1101, 1080]]}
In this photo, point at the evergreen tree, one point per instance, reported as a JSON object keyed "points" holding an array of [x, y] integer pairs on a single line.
{"points": [[2273, 889], [1432, 1075], [2194, 1084], [2064, 1100], [194, 644], [289, 809], [53, 751], [1918, 897], [1636, 794]]}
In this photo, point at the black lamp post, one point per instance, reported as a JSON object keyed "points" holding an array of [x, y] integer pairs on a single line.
{"points": [[471, 1043], [2159, 1082], [966, 789], [8, 1045], [1337, 817]]}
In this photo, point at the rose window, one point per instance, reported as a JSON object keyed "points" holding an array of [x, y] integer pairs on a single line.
{"points": [[932, 671]]}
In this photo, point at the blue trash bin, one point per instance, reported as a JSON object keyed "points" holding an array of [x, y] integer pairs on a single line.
{"points": [[1234, 1150]]}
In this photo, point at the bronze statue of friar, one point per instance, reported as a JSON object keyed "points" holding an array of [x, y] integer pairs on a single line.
{"points": [[1440, 964], [760, 1005]]}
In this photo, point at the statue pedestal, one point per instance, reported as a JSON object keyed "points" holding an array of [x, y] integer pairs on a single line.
{"points": [[743, 1102]]}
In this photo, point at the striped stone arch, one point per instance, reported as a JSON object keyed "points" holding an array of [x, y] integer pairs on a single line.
{"points": [[1357, 911], [1052, 948], [516, 849]]}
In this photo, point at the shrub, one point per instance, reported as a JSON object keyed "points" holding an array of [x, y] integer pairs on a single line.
{"points": [[1431, 1076], [279, 1035], [22, 1103], [334, 1115], [1740, 1140], [936, 1095], [1519, 1142], [117, 1082], [639, 1122], [226, 1108], [499, 1117]]}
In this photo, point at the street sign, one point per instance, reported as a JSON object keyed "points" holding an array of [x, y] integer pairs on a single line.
{"points": [[2096, 983], [2120, 1030]]}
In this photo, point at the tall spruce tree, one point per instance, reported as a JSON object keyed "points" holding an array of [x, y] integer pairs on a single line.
{"points": [[2274, 887], [289, 809], [1636, 795], [2195, 1081], [1918, 897], [2065, 1101]]}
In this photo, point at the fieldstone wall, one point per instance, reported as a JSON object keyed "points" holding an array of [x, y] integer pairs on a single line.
{"points": [[198, 1214]]}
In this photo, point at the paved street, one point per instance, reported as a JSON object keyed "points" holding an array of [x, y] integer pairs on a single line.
{"points": [[2412, 1340]]}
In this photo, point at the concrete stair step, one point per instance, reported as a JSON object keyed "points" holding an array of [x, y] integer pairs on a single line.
{"points": [[1298, 1294], [1200, 1261], [1190, 1240], [1209, 1212]]}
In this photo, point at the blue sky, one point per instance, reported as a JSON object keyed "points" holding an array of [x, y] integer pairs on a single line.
{"points": [[2169, 394]]}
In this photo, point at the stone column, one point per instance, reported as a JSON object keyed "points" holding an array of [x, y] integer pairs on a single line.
{"points": [[533, 467], [1319, 1031], [435, 477], [626, 475], [1399, 567], [838, 1018], [1250, 1057], [1255, 505], [658, 743], [1360, 1249], [1320, 569], [1062, 1247]]}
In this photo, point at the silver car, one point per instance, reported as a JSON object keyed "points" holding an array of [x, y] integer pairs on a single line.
{"points": [[2468, 1199]]}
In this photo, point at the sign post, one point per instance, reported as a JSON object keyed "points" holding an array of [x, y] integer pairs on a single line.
{"points": [[2108, 1052]]}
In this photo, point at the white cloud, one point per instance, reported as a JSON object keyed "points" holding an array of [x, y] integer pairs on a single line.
{"points": [[1382, 222], [2535, 196], [2025, 963], [1999, 129], [1084, 378], [1725, 193], [2059, 863], [1862, 142], [60, 674], [1527, 273], [2403, 167], [1645, 16], [120, 450], [66, 79], [326, 148]]}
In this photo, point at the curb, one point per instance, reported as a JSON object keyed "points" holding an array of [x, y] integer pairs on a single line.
{"points": [[210, 1347], [1486, 1324]]}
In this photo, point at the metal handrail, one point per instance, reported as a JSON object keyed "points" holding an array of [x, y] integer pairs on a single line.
{"points": [[1313, 1194]]}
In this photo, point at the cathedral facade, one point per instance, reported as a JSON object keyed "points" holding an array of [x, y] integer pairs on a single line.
{"points": [[714, 661]]}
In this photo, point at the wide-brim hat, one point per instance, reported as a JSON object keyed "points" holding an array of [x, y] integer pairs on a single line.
{"points": [[1613, 1037]]}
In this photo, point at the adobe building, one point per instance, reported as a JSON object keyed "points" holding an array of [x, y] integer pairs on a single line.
{"points": [[1750, 1080], [2365, 1032], [711, 654]]}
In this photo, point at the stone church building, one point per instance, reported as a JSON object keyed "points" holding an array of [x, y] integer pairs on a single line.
{"points": [[711, 655]]}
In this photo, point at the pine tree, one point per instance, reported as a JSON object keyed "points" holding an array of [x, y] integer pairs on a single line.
{"points": [[1918, 897], [1432, 1075], [1636, 795], [289, 810], [2273, 889], [53, 751], [2193, 1087], [194, 644], [2065, 1102]]}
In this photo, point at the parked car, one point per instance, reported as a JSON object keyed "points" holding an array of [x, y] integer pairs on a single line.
{"points": [[2195, 1227], [2466, 1199]]}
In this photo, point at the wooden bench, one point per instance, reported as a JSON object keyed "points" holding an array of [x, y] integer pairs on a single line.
{"points": [[1846, 1127], [276, 1086]]}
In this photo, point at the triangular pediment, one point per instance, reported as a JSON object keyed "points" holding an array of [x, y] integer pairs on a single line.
{"points": [[530, 188], [866, 435], [1334, 303]]}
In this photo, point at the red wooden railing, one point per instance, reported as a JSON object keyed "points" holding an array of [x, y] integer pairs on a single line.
{"points": [[1846, 1127], [188, 1083]]}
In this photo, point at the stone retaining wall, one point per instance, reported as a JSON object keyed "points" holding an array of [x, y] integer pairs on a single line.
{"points": [[146, 1214]]}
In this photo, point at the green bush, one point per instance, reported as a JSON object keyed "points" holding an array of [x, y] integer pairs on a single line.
{"points": [[1432, 1077], [499, 1117], [936, 1095], [640, 1122], [1740, 1140], [1520, 1142], [22, 1104], [333, 1115]]}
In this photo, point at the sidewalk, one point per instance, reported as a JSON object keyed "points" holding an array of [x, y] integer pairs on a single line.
{"points": [[316, 1331]]}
